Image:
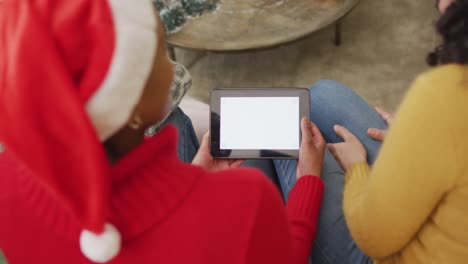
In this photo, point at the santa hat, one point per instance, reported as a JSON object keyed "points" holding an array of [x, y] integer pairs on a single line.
{"points": [[71, 75]]}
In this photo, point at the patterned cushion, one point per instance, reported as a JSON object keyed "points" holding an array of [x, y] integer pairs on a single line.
{"points": [[180, 85]]}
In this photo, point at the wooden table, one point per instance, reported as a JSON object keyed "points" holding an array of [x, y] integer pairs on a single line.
{"points": [[244, 25]]}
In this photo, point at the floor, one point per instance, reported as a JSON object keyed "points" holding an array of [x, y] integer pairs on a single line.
{"points": [[384, 48]]}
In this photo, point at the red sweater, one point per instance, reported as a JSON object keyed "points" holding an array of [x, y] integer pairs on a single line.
{"points": [[167, 212]]}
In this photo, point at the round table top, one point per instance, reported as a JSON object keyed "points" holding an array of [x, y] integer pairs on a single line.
{"points": [[240, 25]]}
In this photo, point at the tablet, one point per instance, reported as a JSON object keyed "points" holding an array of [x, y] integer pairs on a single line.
{"points": [[257, 123]]}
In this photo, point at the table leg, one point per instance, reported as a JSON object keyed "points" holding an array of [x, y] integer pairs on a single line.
{"points": [[338, 33], [172, 53]]}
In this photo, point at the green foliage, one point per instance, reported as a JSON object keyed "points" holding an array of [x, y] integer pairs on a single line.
{"points": [[174, 13], [196, 8], [159, 4], [173, 18]]}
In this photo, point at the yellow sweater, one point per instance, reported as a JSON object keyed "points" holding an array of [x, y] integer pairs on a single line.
{"points": [[413, 206]]}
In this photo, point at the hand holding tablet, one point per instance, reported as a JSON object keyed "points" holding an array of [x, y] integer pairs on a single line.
{"points": [[257, 123], [312, 150]]}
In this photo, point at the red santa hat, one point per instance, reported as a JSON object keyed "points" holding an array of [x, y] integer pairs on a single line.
{"points": [[71, 75]]}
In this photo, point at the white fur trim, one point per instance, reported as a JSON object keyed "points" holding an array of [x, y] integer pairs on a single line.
{"points": [[101, 248], [135, 49]]}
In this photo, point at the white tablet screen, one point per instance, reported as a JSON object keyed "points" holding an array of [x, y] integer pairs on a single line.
{"points": [[264, 123]]}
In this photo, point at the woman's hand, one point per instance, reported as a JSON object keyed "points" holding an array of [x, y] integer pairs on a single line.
{"points": [[205, 160], [311, 151], [379, 134], [350, 151]]}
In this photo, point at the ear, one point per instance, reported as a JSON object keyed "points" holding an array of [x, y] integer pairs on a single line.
{"points": [[442, 5]]}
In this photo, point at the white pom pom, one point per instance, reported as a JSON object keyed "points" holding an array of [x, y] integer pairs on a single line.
{"points": [[101, 248]]}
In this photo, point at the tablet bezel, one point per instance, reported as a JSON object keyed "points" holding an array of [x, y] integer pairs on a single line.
{"points": [[215, 109]]}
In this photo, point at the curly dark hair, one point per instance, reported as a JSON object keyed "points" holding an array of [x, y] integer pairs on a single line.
{"points": [[453, 27]]}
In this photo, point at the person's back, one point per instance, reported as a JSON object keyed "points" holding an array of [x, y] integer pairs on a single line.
{"points": [[443, 238], [173, 214], [415, 196], [411, 207], [164, 209], [414, 209]]}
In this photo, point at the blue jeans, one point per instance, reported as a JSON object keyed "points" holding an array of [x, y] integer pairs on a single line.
{"points": [[333, 103], [187, 145]]}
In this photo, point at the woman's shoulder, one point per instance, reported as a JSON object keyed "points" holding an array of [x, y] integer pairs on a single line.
{"points": [[443, 89], [445, 80]]}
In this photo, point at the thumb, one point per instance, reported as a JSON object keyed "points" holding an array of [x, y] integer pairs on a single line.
{"points": [[205, 144], [344, 133], [203, 152], [307, 136], [377, 134], [317, 136]]}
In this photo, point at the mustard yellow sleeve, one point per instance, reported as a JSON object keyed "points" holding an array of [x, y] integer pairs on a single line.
{"points": [[385, 207]]}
